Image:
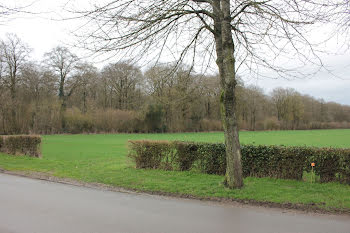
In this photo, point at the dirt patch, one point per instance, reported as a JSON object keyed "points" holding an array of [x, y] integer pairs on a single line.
{"points": [[305, 208]]}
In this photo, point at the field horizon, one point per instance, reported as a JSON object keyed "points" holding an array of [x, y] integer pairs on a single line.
{"points": [[338, 138]]}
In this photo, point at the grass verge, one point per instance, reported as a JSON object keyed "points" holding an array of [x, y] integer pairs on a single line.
{"points": [[102, 159]]}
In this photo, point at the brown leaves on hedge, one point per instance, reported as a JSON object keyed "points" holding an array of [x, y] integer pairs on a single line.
{"points": [[21, 145]]}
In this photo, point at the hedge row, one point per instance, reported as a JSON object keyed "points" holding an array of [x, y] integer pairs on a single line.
{"points": [[163, 155], [257, 160], [21, 145]]}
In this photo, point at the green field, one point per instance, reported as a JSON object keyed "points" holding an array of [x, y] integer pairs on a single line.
{"points": [[102, 159]]}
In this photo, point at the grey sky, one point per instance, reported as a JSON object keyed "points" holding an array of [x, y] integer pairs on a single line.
{"points": [[41, 32]]}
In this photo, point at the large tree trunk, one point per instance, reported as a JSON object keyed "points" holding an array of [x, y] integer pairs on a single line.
{"points": [[226, 64], [233, 178]]}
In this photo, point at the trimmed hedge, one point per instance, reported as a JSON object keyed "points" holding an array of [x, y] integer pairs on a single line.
{"points": [[283, 162], [21, 145], [163, 154], [273, 161], [212, 158], [332, 164]]}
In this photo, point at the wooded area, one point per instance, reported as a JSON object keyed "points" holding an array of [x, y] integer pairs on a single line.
{"points": [[63, 94]]}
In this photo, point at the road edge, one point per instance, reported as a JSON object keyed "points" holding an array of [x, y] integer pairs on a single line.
{"points": [[303, 208]]}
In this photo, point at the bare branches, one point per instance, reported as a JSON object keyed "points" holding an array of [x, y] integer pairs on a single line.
{"points": [[152, 27], [13, 55], [63, 63], [11, 8], [265, 33], [203, 1], [268, 33]]}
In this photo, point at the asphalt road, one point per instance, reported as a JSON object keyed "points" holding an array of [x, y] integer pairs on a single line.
{"points": [[35, 206]]}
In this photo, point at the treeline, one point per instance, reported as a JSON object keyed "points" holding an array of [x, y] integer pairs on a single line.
{"points": [[63, 94]]}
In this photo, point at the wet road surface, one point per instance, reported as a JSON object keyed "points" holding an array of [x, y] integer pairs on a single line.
{"points": [[36, 206]]}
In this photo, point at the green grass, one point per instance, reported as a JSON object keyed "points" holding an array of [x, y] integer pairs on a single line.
{"points": [[102, 159]]}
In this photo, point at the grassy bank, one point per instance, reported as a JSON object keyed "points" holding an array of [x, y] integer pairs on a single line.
{"points": [[102, 159]]}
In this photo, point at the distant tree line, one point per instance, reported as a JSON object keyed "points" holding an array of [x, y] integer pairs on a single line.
{"points": [[63, 94]]}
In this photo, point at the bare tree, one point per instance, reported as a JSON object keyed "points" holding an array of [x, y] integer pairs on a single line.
{"points": [[13, 56], [254, 101], [289, 106], [240, 34], [123, 79], [87, 76], [63, 63], [209, 87], [175, 89]]}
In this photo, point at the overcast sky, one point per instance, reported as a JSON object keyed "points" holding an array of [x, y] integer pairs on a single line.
{"points": [[43, 31]]}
